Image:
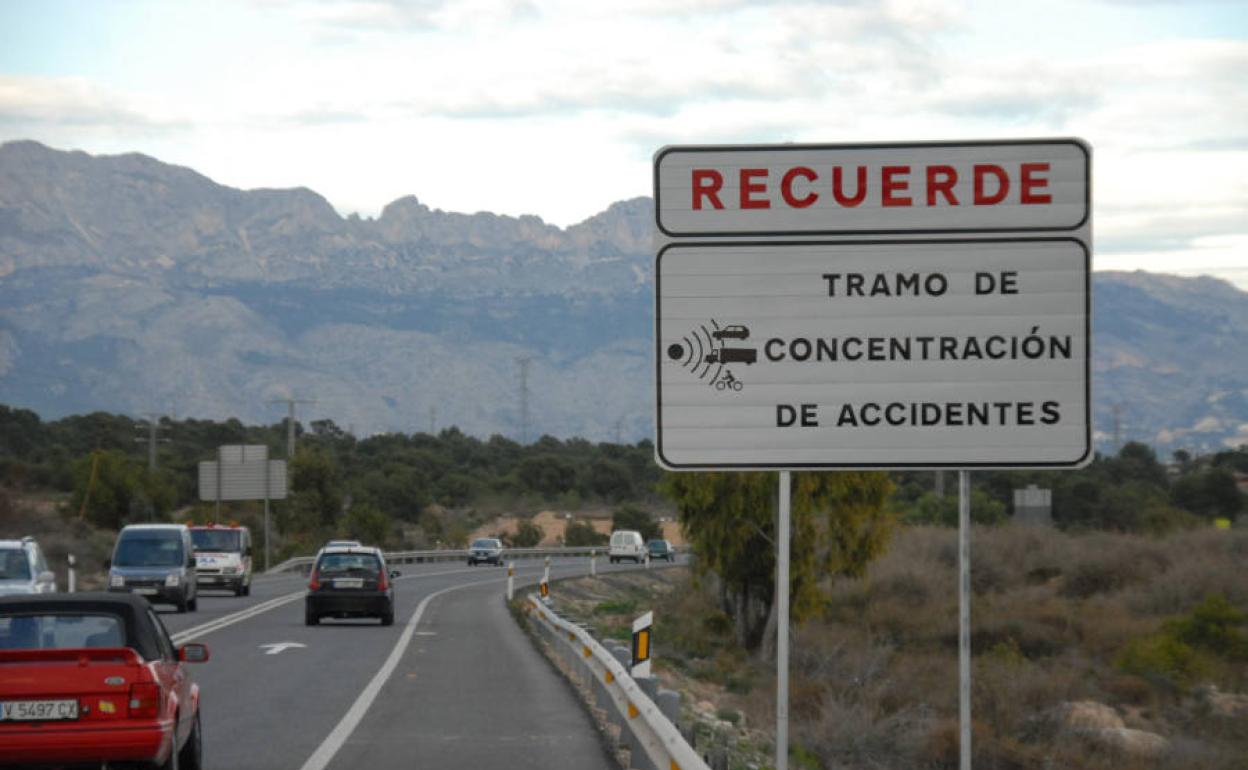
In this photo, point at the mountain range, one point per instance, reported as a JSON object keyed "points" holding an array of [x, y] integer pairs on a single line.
{"points": [[135, 286]]}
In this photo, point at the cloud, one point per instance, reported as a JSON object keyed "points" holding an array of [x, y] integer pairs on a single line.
{"points": [[35, 105]]}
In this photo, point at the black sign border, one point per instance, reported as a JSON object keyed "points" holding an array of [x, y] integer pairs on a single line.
{"points": [[1087, 362], [1078, 143]]}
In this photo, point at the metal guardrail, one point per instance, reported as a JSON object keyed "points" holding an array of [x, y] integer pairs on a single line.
{"points": [[304, 563], [655, 743]]}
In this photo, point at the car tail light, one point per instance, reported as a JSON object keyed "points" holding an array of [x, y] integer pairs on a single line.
{"points": [[144, 700], [314, 583], [382, 583]]}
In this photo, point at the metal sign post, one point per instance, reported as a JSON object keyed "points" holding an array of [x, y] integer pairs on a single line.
{"points": [[964, 616], [782, 623]]}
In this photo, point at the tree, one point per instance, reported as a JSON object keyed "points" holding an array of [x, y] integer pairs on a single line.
{"points": [[368, 524], [528, 535], [632, 517], [942, 510], [315, 492], [581, 533], [838, 526], [1211, 493]]}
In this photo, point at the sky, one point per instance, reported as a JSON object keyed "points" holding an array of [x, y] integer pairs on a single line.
{"points": [[556, 107]]}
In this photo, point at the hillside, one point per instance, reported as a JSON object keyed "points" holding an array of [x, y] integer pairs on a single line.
{"points": [[131, 285]]}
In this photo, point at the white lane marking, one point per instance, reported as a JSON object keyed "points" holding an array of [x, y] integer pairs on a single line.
{"points": [[342, 731], [279, 647], [196, 632]]}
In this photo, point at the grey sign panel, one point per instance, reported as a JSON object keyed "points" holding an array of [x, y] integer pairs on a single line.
{"points": [[242, 480], [858, 189], [873, 354]]}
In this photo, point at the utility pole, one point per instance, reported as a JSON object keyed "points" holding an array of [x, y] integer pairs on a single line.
{"points": [[433, 419], [619, 425], [1117, 428], [524, 362], [153, 425], [290, 422]]}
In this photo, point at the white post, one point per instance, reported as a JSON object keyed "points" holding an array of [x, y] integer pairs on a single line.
{"points": [[782, 624], [72, 581], [593, 563], [964, 617], [511, 580], [546, 574]]}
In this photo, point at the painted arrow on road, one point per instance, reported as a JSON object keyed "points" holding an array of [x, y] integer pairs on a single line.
{"points": [[277, 647]]}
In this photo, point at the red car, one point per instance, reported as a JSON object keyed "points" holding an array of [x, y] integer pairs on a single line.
{"points": [[91, 678]]}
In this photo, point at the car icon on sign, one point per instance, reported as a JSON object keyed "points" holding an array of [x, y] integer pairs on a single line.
{"points": [[731, 332]]}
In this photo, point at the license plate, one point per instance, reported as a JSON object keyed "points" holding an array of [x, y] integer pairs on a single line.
{"points": [[146, 591], [37, 710], [348, 582]]}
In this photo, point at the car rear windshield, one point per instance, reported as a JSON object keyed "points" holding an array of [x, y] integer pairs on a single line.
{"points": [[155, 549], [229, 540], [484, 543], [60, 631], [14, 565], [343, 563]]}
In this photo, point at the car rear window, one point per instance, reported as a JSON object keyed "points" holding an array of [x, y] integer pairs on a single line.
{"points": [[60, 631], [14, 565], [342, 563]]}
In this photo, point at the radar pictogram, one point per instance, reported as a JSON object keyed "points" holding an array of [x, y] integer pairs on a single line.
{"points": [[705, 352]]}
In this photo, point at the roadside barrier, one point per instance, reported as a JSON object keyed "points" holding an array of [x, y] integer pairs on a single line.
{"points": [[304, 563], [646, 729]]}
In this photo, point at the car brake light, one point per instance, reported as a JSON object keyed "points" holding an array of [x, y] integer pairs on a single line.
{"points": [[144, 700], [314, 584], [381, 580]]}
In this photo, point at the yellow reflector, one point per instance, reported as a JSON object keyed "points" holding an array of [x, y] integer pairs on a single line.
{"points": [[643, 645], [632, 710], [610, 677], [586, 651]]}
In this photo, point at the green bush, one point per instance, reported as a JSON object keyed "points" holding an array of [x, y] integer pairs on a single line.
{"points": [[1213, 626], [1162, 657]]}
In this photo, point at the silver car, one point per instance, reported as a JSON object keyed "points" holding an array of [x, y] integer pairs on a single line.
{"points": [[23, 570], [485, 549]]}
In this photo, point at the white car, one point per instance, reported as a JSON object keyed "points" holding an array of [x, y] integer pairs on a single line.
{"points": [[23, 570], [627, 544]]}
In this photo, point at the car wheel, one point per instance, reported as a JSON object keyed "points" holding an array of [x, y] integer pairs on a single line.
{"points": [[387, 617], [310, 618], [247, 590], [193, 604], [191, 757], [182, 604]]}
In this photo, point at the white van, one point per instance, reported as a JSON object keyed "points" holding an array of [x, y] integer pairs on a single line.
{"points": [[223, 557], [627, 544]]}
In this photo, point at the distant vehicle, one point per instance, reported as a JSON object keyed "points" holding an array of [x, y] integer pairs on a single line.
{"points": [[223, 557], [342, 544], [485, 549], [660, 549], [732, 356], [731, 332], [23, 570], [156, 561], [626, 544], [350, 582], [94, 678]]}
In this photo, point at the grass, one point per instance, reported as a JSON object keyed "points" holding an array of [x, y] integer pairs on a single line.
{"points": [[1139, 624]]}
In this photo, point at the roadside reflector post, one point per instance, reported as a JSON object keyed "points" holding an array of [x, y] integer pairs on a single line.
{"points": [[72, 583], [545, 590], [511, 580], [546, 574], [593, 563], [640, 664]]}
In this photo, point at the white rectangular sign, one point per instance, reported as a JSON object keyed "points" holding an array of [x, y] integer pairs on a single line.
{"points": [[242, 479], [927, 187], [873, 354]]}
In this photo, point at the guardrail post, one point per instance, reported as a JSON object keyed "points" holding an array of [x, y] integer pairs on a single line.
{"points": [[593, 563], [72, 585], [511, 580]]}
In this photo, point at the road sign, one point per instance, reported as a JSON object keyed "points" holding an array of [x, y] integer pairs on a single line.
{"points": [[875, 354], [242, 472], [904, 305], [924, 187]]}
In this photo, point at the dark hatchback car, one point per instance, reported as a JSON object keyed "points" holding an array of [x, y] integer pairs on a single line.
{"points": [[661, 549], [350, 582], [486, 549]]}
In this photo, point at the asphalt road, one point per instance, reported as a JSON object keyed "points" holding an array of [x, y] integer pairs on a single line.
{"points": [[454, 683]]}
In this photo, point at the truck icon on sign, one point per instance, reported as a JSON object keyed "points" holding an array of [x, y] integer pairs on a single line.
{"points": [[726, 355]]}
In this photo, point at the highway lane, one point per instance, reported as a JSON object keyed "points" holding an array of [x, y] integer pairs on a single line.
{"points": [[274, 711]]}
